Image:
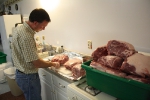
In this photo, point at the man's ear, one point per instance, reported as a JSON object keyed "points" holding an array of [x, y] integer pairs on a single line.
{"points": [[35, 22]]}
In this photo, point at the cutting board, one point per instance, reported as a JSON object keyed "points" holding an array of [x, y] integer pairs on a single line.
{"points": [[64, 71]]}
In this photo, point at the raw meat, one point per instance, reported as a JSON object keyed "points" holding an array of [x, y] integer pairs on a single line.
{"points": [[137, 78], [98, 66], [100, 51], [71, 62], [78, 71], [137, 64], [111, 61], [87, 58], [120, 48], [115, 72], [109, 70], [61, 58]]}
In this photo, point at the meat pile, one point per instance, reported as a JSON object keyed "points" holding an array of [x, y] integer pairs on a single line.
{"points": [[120, 58], [72, 64], [61, 58]]}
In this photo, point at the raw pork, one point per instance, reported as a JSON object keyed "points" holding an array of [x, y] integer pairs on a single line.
{"points": [[109, 70], [100, 51], [71, 62], [111, 61], [98, 66], [87, 58], [139, 79], [137, 64], [120, 48], [78, 71], [115, 72], [61, 58]]}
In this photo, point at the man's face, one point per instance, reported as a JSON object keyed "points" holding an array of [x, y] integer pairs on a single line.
{"points": [[40, 26]]}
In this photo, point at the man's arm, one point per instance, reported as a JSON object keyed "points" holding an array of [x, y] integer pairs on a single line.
{"points": [[40, 63]]}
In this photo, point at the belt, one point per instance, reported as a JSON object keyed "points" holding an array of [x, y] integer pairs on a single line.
{"points": [[20, 71]]}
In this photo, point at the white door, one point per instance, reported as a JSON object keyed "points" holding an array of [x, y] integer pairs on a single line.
{"points": [[59, 94], [46, 91]]}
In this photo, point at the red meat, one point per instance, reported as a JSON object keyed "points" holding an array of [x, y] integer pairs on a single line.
{"points": [[98, 66], [61, 58], [111, 61], [78, 71], [99, 52], [120, 48], [71, 62], [137, 78], [137, 64]]}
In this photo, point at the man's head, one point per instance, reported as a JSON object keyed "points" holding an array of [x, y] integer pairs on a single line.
{"points": [[38, 19]]}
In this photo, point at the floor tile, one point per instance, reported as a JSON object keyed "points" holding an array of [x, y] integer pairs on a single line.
{"points": [[4, 87]]}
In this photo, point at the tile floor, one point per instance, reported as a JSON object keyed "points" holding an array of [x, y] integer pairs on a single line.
{"points": [[4, 87]]}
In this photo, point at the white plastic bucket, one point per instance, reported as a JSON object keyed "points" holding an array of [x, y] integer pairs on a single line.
{"points": [[2, 75], [10, 72], [10, 76], [4, 66]]}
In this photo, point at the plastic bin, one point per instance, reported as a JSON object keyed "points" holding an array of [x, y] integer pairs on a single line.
{"points": [[4, 66], [2, 75], [121, 88], [10, 77], [2, 58]]}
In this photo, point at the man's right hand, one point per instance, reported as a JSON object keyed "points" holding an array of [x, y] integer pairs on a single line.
{"points": [[56, 64]]}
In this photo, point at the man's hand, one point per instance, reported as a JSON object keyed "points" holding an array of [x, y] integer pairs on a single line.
{"points": [[56, 64]]}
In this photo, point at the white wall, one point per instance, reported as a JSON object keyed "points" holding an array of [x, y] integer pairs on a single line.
{"points": [[76, 21]]}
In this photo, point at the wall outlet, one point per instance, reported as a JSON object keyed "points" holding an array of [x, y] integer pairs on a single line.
{"points": [[89, 44]]}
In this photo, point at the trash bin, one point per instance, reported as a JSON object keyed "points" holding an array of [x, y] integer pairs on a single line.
{"points": [[2, 75], [10, 77], [3, 66]]}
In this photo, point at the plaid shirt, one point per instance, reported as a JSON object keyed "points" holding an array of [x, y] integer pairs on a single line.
{"points": [[24, 49]]}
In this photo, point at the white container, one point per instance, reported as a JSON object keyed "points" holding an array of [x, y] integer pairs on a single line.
{"points": [[8, 64], [4, 66], [10, 72], [2, 75], [10, 76]]}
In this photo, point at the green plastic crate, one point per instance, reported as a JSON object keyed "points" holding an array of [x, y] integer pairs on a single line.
{"points": [[121, 88], [2, 58]]}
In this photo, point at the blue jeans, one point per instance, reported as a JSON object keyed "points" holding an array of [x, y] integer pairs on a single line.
{"points": [[30, 85]]}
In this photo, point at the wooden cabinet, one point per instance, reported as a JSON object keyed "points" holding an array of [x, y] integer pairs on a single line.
{"points": [[52, 87]]}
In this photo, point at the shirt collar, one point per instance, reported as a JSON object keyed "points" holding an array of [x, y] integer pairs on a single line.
{"points": [[29, 28]]}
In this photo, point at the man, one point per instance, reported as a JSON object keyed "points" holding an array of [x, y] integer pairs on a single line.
{"points": [[25, 56]]}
